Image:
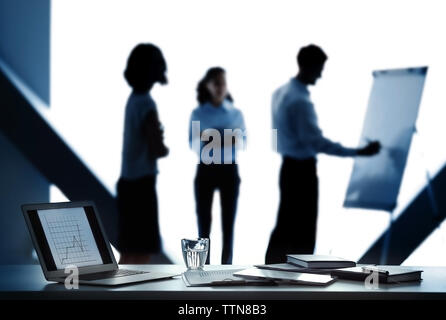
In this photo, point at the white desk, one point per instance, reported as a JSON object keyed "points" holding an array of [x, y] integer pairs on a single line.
{"points": [[27, 282]]}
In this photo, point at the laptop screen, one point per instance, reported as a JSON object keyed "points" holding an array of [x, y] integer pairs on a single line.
{"points": [[69, 236]]}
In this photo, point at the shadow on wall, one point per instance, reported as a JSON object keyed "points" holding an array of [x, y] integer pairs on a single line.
{"points": [[24, 28], [20, 183], [25, 42]]}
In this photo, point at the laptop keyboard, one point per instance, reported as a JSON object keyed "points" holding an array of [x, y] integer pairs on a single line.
{"points": [[110, 274]]}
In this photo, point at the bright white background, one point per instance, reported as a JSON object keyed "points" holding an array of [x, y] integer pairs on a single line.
{"points": [[256, 41]]}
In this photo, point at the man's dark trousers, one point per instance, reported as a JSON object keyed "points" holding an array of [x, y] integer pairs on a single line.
{"points": [[295, 230]]}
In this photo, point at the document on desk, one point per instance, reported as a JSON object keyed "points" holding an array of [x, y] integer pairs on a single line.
{"points": [[286, 277], [203, 278]]}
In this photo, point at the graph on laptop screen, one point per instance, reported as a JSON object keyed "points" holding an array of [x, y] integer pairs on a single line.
{"points": [[70, 237]]}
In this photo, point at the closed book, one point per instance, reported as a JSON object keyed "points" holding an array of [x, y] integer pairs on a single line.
{"points": [[386, 274], [314, 261], [292, 268]]}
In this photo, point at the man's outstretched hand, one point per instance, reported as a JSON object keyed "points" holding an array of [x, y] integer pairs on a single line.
{"points": [[370, 149]]}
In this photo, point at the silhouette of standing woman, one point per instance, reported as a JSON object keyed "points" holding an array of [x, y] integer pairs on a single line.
{"points": [[139, 235], [217, 169]]}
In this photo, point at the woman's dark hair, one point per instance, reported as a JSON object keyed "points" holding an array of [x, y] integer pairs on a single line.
{"points": [[203, 94], [145, 66]]}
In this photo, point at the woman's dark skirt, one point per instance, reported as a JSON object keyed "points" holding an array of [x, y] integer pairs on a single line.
{"points": [[138, 216]]}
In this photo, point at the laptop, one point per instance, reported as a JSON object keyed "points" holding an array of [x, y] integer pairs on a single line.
{"points": [[71, 234]]}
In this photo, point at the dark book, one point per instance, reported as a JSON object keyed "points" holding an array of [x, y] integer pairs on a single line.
{"points": [[313, 261], [386, 274]]}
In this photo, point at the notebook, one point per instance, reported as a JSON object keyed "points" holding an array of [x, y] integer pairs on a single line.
{"points": [[314, 261], [286, 277], [200, 278], [386, 274], [291, 268]]}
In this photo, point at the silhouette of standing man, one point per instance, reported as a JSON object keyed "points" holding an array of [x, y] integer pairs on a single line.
{"points": [[299, 140]]}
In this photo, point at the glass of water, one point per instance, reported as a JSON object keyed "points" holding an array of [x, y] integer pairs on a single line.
{"points": [[195, 252]]}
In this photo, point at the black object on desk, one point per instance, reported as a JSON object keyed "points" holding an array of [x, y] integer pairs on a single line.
{"points": [[386, 274], [314, 261]]}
